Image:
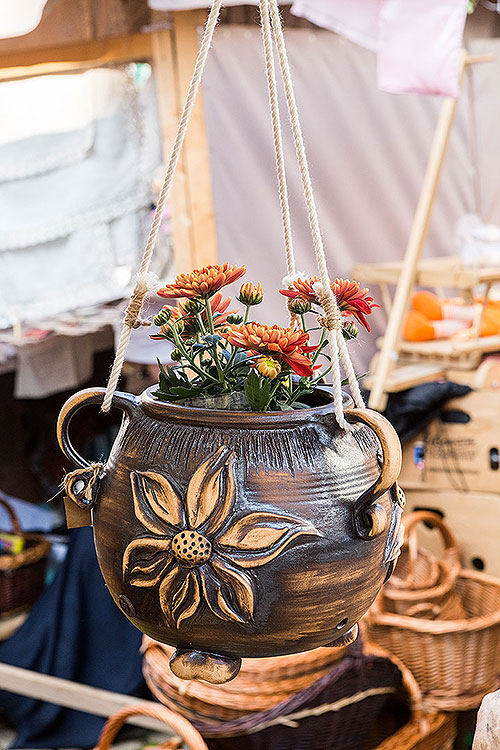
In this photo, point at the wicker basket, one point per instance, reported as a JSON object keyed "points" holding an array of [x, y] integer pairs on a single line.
{"points": [[188, 736], [248, 693], [422, 585], [412, 729], [22, 576], [337, 709], [456, 662]]}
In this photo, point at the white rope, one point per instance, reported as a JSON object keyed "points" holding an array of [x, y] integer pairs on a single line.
{"points": [[272, 87], [141, 288], [338, 348]]}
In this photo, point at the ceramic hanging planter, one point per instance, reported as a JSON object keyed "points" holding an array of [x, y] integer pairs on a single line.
{"points": [[261, 531], [236, 534]]}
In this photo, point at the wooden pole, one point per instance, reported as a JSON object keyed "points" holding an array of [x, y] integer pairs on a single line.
{"points": [[418, 234], [73, 695], [193, 222]]}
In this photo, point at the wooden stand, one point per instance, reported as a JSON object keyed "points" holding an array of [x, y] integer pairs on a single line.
{"points": [[420, 361], [407, 276]]}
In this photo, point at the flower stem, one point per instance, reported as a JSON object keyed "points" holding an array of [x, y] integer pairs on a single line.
{"points": [[271, 395], [247, 313], [210, 319], [211, 328], [318, 350], [201, 323], [180, 346]]}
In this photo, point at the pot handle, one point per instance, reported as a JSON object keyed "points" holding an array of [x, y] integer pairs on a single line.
{"points": [[124, 401], [368, 516]]}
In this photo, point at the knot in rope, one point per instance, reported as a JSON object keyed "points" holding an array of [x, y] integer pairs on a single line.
{"points": [[291, 277], [332, 319], [145, 283], [80, 485]]}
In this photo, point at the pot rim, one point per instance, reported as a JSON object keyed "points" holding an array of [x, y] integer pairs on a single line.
{"points": [[243, 419]]}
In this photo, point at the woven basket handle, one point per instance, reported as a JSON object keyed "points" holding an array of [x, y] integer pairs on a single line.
{"points": [[450, 553], [409, 683], [188, 734], [16, 526]]}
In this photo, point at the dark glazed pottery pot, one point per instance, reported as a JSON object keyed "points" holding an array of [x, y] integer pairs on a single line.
{"points": [[241, 534]]}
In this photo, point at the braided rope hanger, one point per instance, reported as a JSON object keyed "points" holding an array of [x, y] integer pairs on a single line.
{"points": [[271, 25], [144, 281]]}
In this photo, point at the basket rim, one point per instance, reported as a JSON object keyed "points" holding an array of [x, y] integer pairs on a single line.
{"points": [[440, 627], [28, 556]]}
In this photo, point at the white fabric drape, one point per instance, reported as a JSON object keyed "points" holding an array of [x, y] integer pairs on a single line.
{"points": [[367, 150], [74, 199]]}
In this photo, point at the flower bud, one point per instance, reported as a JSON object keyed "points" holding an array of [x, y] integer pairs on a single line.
{"points": [[299, 305], [176, 356], [251, 294], [193, 306], [349, 330], [234, 319], [268, 367], [163, 316]]}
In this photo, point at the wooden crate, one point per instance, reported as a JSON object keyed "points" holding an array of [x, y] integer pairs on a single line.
{"points": [[459, 455], [474, 519]]}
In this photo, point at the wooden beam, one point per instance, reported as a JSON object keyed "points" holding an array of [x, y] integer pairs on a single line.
{"points": [[193, 223], [418, 234], [169, 107], [73, 57], [73, 695], [197, 164]]}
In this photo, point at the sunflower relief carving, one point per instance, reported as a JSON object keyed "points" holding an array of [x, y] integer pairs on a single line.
{"points": [[191, 554]]}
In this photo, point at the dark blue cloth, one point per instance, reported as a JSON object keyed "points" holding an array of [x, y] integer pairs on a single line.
{"points": [[74, 631]]}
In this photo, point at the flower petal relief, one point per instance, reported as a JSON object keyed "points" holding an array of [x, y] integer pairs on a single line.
{"points": [[193, 553]]}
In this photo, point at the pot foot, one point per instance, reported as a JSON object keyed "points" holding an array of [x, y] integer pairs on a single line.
{"points": [[198, 665], [346, 639]]}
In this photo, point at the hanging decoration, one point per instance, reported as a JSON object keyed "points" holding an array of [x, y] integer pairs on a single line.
{"points": [[229, 533]]}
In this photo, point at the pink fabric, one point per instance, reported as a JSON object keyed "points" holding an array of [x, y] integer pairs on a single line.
{"points": [[357, 20], [420, 43], [417, 41]]}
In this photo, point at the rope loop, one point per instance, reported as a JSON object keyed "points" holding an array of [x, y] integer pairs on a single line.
{"points": [[272, 31]]}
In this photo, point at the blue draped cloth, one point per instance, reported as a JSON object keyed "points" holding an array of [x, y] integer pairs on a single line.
{"points": [[74, 631]]}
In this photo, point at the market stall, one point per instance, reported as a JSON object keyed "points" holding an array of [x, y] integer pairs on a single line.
{"points": [[223, 196]]}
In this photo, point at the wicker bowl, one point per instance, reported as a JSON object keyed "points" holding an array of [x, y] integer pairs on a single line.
{"points": [[422, 585], [455, 662], [325, 712], [22, 576], [260, 685], [365, 696]]}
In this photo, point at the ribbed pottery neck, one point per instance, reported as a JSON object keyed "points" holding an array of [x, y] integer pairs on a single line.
{"points": [[165, 411]]}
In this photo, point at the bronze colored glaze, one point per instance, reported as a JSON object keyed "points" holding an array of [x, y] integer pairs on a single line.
{"points": [[241, 534]]}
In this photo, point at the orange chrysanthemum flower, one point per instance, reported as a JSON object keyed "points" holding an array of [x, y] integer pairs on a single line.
{"points": [[303, 289], [202, 282], [351, 298], [282, 343], [218, 306]]}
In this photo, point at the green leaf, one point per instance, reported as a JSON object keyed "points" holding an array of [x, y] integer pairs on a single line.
{"points": [[257, 391]]}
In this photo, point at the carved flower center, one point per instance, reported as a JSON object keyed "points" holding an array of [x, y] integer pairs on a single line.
{"points": [[191, 548]]}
